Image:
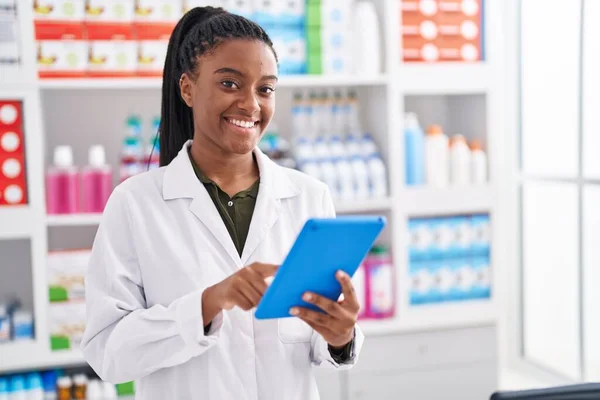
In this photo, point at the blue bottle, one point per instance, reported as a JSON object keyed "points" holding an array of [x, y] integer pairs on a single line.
{"points": [[414, 147]]}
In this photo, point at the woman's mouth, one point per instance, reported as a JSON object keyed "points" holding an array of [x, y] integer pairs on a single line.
{"points": [[242, 124]]}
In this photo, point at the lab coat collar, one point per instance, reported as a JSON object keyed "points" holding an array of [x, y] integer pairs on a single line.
{"points": [[180, 181]]}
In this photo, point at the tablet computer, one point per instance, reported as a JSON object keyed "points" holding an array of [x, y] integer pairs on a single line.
{"points": [[323, 247]]}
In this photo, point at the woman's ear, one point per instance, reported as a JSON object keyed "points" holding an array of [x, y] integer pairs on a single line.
{"points": [[186, 86]]}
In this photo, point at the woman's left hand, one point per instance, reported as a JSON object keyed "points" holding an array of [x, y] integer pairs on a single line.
{"points": [[337, 324]]}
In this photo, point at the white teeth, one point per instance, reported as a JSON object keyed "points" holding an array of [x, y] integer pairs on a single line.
{"points": [[243, 124]]}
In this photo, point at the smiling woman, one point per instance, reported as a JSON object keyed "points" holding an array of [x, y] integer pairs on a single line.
{"points": [[183, 252]]}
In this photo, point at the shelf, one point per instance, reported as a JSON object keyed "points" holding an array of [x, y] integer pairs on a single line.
{"points": [[293, 81], [433, 317], [426, 201], [364, 206], [16, 222], [31, 355], [445, 79], [73, 220]]}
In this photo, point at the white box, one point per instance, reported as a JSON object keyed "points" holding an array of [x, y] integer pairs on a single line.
{"points": [[59, 10], [121, 11], [67, 269], [158, 11]]}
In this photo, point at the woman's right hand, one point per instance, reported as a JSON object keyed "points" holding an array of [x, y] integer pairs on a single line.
{"points": [[243, 289]]}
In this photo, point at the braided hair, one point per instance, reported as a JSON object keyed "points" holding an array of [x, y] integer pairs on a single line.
{"points": [[198, 32]]}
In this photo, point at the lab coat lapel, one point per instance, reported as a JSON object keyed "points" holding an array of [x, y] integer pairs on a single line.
{"points": [[274, 186], [180, 181]]}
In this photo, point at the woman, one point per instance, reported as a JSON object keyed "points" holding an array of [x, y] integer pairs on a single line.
{"points": [[182, 253]]}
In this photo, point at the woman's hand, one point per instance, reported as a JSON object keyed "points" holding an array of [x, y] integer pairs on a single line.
{"points": [[243, 289], [337, 324]]}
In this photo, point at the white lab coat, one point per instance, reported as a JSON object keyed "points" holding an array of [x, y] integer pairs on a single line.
{"points": [[161, 242]]}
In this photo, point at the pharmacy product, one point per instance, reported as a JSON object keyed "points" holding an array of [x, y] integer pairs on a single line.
{"points": [[96, 181], [421, 239], [478, 164], [436, 157], [5, 325], [62, 183], [381, 284], [366, 59], [414, 149], [460, 161], [22, 325], [377, 176]]}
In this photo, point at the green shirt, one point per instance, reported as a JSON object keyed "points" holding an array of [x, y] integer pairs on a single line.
{"points": [[235, 211]]}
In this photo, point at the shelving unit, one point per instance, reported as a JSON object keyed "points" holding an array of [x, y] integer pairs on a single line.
{"points": [[384, 106]]}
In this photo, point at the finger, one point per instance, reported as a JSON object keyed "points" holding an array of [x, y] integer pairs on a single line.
{"points": [[242, 301], [257, 281], [332, 308], [265, 270], [250, 293], [315, 317], [348, 290]]}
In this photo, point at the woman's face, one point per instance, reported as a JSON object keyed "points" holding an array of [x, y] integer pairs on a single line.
{"points": [[232, 96]]}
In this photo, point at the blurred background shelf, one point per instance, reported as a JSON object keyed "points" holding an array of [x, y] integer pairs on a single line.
{"points": [[16, 222], [445, 78], [426, 201], [73, 220], [363, 206], [38, 356], [292, 81]]}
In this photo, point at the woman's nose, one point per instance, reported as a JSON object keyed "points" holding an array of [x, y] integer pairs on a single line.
{"points": [[249, 102]]}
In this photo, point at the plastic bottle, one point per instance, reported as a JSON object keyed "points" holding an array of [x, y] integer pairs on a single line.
{"points": [[4, 389], [22, 324], [460, 161], [361, 177], [321, 148], [80, 387], [414, 148], [62, 187], [436, 157], [16, 388], [352, 115], [303, 149], [478, 164], [33, 386], [109, 391], [367, 145], [345, 179], [64, 385], [5, 326], [367, 40], [329, 176], [49, 382], [299, 117], [377, 176], [380, 283], [96, 181], [94, 390], [132, 150], [352, 146]]}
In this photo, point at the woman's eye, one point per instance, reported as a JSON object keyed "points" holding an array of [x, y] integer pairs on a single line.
{"points": [[229, 84], [267, 90]]}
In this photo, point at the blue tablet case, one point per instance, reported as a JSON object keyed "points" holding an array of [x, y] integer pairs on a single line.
{"points": [[323, 247]]}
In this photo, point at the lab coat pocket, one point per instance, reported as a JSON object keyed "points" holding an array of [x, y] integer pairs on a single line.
{"points": [[294, 330]]}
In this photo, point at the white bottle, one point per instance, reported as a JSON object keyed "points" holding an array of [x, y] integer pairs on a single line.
{"points": [[361, 177], [329, 176], [303, 149], [5, 327], [352, 146], [367, 40], [94, 390], [337, 147], [478, 164], [321, 148], [436, 157], [109, 391], [460, 161], [345, 179], [378, 176], [311, 168], [367, 145]]}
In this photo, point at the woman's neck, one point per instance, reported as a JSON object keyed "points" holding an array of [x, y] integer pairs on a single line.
{"points": [[232, 172]]}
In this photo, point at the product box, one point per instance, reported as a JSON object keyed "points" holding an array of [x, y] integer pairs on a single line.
{"points": [[110, 11], [290, 45], [267, 13], [422, 281], [313, 14], [245, 8], [420, 240], [336, 14], [481, 230], [462, 236], [62, 50], [445, 280], [465, 278], [482, 286], [443, 237], [152, 45], [9, 40], [444, 30], [293, 13], [158, 11], [66, 273], [59, 10], [13, 182], [66, 324], [112, 50]]}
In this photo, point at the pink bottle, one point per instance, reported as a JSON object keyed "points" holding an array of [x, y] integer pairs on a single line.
{"points": [[381, 284], [62, 189], [96, 182]]}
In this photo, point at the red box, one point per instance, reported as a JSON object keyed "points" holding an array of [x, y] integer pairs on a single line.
{"points": [[61, 49], [11, 115], [442, 30], [112, 50], [153, 41]]}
